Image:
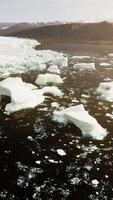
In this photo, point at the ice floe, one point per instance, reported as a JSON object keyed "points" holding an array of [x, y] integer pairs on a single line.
{"points": [[80, 117], [54, 69], [110, 54], [84, 66], [18, 55], [24, 95], [80, 57], [52, 90], [105, 89], [105, 64], [55, 104], [95, 183], [60, 61], [44, 79], [109, 115], [61, 152]]}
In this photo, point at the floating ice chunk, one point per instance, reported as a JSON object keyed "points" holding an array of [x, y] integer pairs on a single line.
{"points": [[77, 115], [107, 79], [110, 54], [61, 152], [54, 69], [95, 183], [44, 79], [105, 64], [109, 115], [84, 66], [105, 89], [52, 90], [52, 161], [23, 57], [55, 104], [75, 181], [22, 95], [60, 61], [80, 57], [38, 162]]}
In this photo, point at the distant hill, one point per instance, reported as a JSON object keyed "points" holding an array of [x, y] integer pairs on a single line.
{"points": [[4, 26], [15, 28], [79, 32]]}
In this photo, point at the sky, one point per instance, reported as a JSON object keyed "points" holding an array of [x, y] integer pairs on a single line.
{"points": [[51, 10]]}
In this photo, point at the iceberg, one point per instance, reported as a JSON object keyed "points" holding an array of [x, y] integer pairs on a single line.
{"points": [[44, 79], [81, 118], [22, 56], [84, 66], [105, 90], [54, 69]]}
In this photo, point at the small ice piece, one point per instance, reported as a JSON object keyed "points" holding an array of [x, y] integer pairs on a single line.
{"points": [[54, 69], [105, 64], [94, 183], [60, 61], [55, 104], [61, 152], [80, 117], [110, 54], [52, 161], [80, 57], [38, 162], [84, 66], [22, 95], [52, 90], [44, 79], [107, 79], [109, 115], [105, 90], [75, 181], [30, 138]]}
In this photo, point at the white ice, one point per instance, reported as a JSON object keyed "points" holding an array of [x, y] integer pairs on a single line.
{"points": [[61, 152], [84, 66], [105, 64], [80, 57], [95, 183], [52, 90], [44, 79], [80, 117], [18, 55], [24, 95], [105, 90], [54, 69]]}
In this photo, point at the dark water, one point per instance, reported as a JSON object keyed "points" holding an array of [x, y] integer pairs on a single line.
{"points": [[29, 136]]}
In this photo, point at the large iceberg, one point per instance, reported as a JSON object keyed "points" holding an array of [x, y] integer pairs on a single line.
{"points": [[105, 89], [84, 66], [44, 79], [24, 95], [18, 55], [80, 117]]}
